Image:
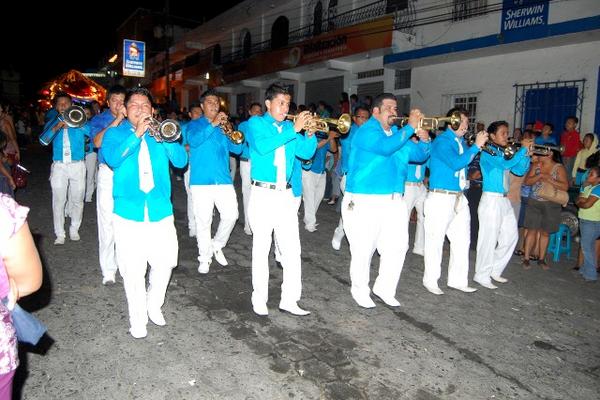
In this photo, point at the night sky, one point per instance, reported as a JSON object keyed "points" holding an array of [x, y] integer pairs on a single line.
{"points": [[67, 37]]}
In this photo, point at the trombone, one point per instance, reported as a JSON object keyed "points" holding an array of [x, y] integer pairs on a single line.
{"points": [[73, 117], [316, 123], [429, 123]]}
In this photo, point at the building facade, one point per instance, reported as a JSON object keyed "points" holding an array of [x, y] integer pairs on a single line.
{"points": [[517, 60]]}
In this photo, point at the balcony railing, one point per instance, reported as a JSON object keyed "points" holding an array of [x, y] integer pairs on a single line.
{"points": [[359, 15]]}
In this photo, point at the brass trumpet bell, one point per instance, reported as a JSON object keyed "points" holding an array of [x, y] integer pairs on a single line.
{"points": [[316, 123]]}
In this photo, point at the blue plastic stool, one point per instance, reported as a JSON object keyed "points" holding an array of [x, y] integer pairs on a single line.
{"points": [[560, 242]]}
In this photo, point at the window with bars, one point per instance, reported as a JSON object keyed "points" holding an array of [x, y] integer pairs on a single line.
{"points": [[464, 9], [402, 79], [370, 74], [469, 103]]}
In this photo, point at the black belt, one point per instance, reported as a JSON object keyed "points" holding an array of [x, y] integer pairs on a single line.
{"points": [[267, 185], [243, 159]]}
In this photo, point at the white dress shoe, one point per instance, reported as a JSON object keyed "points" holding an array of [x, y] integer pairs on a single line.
{"points": [[466, 289], [293, 308], [156, 316], [260, 309], [74, 236], [390, 301], [499, 279], [336, 241], [488, 285], [108, 280], [220, 257], [419, 252], [311, 228], [247, 230], [204, 267], [364, 301], [59, 240], [192, 233], [434, 289], [138, 332]]}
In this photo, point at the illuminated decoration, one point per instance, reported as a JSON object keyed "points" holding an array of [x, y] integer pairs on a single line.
{"points": [[81, 88]]}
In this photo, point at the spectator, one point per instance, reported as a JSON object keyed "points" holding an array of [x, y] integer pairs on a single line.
{"points": [[590, 146], [545, 136], [571, 140], [589, 217], [20, 275]]}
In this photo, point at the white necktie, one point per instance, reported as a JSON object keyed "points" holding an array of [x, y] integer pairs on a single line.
{"points": [[145, 168], [66, 146], [279, 161], [462, 179], [418, 171], [506, 181]]}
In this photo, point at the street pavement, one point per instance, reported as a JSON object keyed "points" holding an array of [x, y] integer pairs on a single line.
{"points": [[536, 337]]}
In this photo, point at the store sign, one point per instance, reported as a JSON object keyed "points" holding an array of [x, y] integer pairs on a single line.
{"points": [[522, 14], [134, 58]]}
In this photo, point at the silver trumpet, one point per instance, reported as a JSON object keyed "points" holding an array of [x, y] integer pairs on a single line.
{"points": [[168, 130], [73, 117]]}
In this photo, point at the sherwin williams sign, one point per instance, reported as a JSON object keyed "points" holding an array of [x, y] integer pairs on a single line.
{"points": [[521, 14]]}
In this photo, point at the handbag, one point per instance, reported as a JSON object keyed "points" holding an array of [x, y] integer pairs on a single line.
{"points": [[548, 192], [29, 329], [19, 175]]}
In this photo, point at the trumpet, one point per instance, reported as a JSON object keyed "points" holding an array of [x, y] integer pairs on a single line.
{"points": [[235, 136], [489, 146], [537, 149], [168, 130], [73, 117], [429, 123], [316, 123]]}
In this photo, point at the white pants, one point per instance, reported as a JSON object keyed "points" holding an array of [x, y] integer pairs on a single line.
{"points": [[68, 186], [206, 198], [104, 211], [338, 233], [497, 237], [140, 244], [375, 222], [275, 211], [232, 167], [190, 202], [246, 181], [91, 171], [447, 215], [414, 197], [313, 190]]}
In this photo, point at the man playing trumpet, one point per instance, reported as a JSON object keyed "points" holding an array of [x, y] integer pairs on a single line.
{"points": [[373, 211], [210, 180], [498, 235]]}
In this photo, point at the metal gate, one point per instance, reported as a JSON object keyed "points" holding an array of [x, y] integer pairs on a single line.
{"points": [[327, 90], [548, 102]]}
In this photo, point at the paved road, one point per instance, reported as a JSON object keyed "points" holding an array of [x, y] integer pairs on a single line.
{"points": [[534, 338]]}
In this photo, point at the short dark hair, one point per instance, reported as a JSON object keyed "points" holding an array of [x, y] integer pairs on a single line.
{"points": [[460, 110], [550, 125], [58, 95], [494, 126], [361, 107], [209, 92], [139, 90], [273, 90], [574, 118], [195, 105], [379, 100], [255, 104], [116, 89]]}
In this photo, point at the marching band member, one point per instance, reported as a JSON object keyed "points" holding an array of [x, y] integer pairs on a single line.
{"points": [[274, 147], [446, 207], [499, 234], [194, 113], [67, 176], [255, 109], [143, 214], [361, 115], [110, 118], [374, 213], [414, 196], [210, 180], [314, 180]]}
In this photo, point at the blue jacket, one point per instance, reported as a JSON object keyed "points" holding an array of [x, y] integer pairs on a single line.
{"points": [[446, 162], [371, 167], [209, 153], [76, 140], [346, 143], [411, 152], [318, 161], [120, 148], [264, 141], [494, 169], [99, 122], [243, 127]]}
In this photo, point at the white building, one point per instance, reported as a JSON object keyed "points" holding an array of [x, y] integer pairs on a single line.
{"points": [[517, 60]]}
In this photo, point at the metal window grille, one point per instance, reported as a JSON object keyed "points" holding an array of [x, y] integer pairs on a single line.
{"points": [[370, 74], [464, 9], [469, 103], [402, 79]]}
